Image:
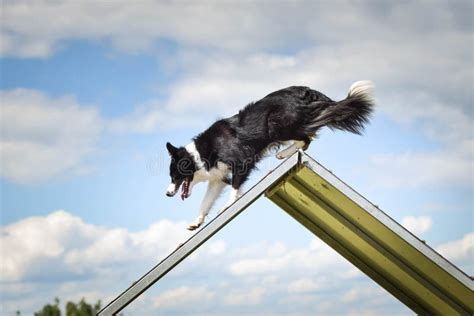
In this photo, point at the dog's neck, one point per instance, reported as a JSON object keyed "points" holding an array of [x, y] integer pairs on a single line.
{"points": [[192, 150]]}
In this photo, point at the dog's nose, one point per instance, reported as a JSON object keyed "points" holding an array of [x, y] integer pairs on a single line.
{"points": [[169, 194]]}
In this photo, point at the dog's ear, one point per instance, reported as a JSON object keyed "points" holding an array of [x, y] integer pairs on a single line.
{"points": [[171, 149]]}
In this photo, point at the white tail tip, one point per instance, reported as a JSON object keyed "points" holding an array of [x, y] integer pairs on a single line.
{"points": [[363, 88]]}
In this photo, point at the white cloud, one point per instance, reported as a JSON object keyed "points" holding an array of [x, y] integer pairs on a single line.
{"points": [[218, 87], [451, 121], [415, 169], [228, 62], [357, 293], [252, 296], [308, 280], [23, 243], [81, 257], [458, 249], [151, 117], [318, 256], [216, 247], [75, 248], [446, 124], [224, 26], [224, 61], [417, 225], [179, 298], [43, 137], [422, 71], [233, 26], [202, 24], [461, 252], [302, 286], [259, 266]]}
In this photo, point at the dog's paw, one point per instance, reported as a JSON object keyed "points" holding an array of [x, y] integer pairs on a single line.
{"points": [[285, 153], [192, 227], [199, 221], [280, 155]]}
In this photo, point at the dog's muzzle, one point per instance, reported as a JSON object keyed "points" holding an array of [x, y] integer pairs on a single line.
{"points": [[172, 189]]}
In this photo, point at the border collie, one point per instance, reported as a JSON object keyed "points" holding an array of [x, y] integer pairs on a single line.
{"points": [[228, 150]]}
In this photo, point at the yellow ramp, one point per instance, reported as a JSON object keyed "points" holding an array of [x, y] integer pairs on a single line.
{"points": [[394, 258]]}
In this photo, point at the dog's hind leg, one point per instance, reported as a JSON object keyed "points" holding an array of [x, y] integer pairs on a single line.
{"points": [[214, 189], [234, 196], [240, 174], [290, 150]]}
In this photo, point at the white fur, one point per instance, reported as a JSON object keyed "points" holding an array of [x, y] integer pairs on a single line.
{"points": [[362, 88], [171, 189], [215, 186], [214, 189], [191, 149], [218, 172]]}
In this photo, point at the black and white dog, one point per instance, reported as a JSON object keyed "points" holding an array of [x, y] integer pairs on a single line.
{"points": [[228, 150]]}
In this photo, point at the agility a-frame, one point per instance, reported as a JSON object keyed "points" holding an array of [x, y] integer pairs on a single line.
{"points": [[358, 230]]}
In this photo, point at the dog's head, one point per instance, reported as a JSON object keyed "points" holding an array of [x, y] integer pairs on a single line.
{"points": [[182, 168]]}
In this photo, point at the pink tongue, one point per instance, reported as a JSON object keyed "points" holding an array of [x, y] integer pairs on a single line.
{"points": [[184, 189]]}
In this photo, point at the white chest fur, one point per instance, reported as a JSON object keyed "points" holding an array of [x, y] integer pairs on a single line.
{"points": [[217, 172]]}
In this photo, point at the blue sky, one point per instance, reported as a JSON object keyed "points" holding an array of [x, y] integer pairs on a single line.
{"points": [[92, 90]]}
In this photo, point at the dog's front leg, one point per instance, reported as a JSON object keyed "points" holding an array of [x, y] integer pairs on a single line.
{"points": [[214, 189]]}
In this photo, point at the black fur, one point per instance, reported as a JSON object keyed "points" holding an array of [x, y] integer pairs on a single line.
{"points": [[182, 164], [294, 113]]}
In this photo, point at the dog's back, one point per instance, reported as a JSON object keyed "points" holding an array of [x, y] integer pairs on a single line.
{"points": [[281, 115]]}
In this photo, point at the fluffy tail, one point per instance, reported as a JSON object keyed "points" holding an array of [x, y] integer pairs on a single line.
{"points": [[350, 114]]}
